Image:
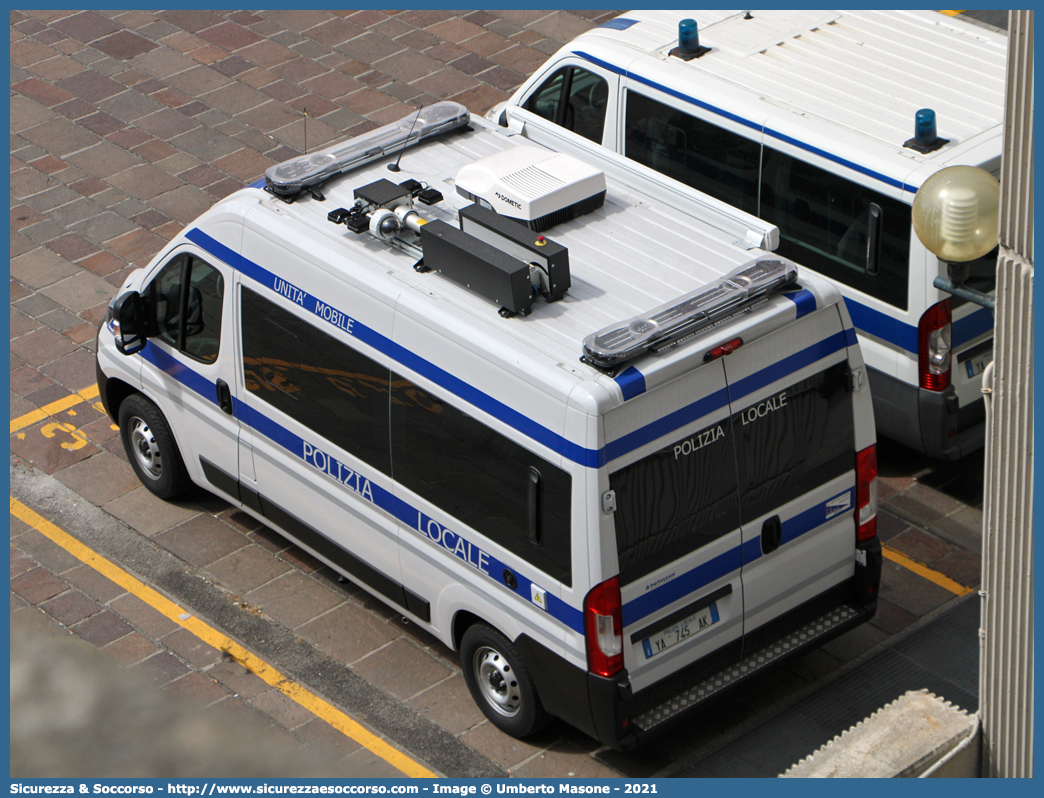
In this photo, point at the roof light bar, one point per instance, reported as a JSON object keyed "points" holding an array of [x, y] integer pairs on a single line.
{"points": [[688, 314], [299, 174]]}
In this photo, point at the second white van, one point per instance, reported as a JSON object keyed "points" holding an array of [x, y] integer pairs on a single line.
{"points": [[825, 124]]}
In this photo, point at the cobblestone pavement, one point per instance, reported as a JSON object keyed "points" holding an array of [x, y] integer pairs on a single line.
{"points": [[125, 125]]}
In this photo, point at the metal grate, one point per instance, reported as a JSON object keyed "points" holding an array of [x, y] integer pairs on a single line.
{"points": [[994, 18], [744, 668]]}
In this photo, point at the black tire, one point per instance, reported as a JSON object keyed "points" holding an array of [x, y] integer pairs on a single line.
{"points": [[500, 683], [151, 449]]}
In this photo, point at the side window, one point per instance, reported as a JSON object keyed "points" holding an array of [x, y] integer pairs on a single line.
{"points": [[702, 155], [794, 441], [823, 223], [575, 99], [186, 297], [675, 501], [482, 478], [316, 380]]}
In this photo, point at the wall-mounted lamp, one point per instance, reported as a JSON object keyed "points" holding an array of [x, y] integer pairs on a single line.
{"points": [[956, 216]]}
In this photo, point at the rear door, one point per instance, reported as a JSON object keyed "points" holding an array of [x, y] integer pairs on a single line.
{"points": [[792, 424], [672, 468]]}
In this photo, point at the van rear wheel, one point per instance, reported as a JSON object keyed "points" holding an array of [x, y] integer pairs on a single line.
{"points": [[150, 447], [500, 683]]}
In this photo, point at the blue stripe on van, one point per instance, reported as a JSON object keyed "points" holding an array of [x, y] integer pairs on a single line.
{"points": [[665, 425], [881, 325], [805, 301], [631, 382], [682, 586], [589, 458], [620, 23], [412, 518], [724, 564], [890, 181], [788, 365], [183, 373], [972, 326]]}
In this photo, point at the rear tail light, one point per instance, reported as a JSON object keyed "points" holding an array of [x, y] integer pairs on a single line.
{"points": [[933, 347], [603, 628], [866, 494]]}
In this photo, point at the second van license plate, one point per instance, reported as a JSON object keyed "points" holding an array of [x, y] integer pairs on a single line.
{"points": [[977, 365], [682, 630]]}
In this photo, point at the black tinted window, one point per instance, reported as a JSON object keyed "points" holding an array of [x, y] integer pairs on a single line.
{"points": [[478, 476], [794, 441], [675, 501], [697, 153], [822, 220], [316, 380], [186, 300], [575, 99]]}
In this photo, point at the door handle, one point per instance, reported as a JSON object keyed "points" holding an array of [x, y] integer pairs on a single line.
{"points": [[224, 396], [771, 534]]}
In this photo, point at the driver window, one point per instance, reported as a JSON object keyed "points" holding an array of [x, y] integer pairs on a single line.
{"points": [[186, 297], [575, 99]]}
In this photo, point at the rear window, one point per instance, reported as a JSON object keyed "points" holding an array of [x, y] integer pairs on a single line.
{"points": [[794, 441], [675, 501]]}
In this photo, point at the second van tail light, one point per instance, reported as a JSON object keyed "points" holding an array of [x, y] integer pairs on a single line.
{"points": [[933, 346], [603, 628], [866, 494]]}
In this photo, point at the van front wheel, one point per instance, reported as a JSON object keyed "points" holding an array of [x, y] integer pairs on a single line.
{"points": [[150, 447], [500, 683]]}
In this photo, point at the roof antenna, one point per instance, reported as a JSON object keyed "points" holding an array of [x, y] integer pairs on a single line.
{"points": [[748, 15], [394, 167]]}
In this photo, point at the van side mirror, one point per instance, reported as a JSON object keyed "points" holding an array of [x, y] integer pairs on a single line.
{"points": [[128, 321]]}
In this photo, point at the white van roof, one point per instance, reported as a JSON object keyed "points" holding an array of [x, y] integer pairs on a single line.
{"points": [[626, 258], [860, 75]]}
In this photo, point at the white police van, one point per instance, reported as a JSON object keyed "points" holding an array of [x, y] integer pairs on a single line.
{"points": [[604, 451], [824, 123]]}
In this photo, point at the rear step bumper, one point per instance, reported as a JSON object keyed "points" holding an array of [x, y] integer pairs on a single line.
{"points": [[811, 634], [636, 718]]}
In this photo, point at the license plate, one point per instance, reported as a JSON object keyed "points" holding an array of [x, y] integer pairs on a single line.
{"points": [[682, 630], [977, 365]]}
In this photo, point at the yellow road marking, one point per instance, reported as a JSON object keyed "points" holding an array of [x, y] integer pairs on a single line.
{"points": [[54, 408], [923, 570], [208, 634]]}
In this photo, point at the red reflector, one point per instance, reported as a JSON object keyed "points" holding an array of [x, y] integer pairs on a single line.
{"points": [[866, 493]]}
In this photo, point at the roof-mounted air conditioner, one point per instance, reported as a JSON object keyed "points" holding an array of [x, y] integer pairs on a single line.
{"points": [[533, 186]]}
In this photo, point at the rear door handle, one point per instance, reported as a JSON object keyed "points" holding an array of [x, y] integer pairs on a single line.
{"points": [[224, 396], [771, 534]]}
